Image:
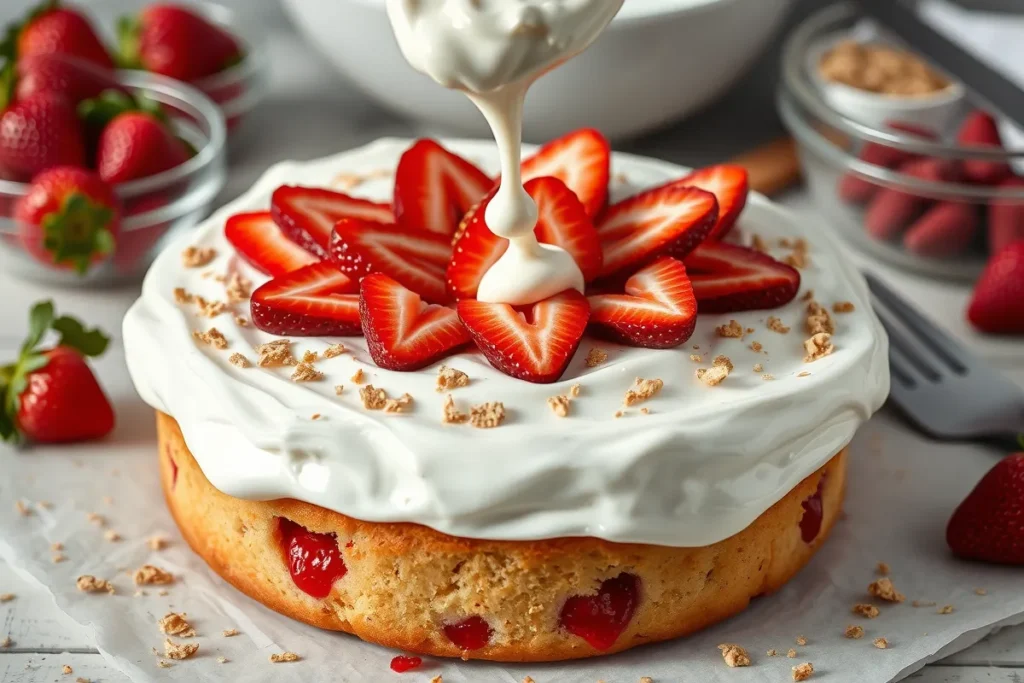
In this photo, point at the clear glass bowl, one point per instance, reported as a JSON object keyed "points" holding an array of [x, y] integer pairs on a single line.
{"points": [[154, 208], [891, 194]]}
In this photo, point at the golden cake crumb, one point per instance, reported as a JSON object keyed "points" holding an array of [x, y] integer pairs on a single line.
{"points": [[278, 658], [750, 330], [6, 597], [595, 357], [372, 397], [239, 361], [843, 307], [923, 603], [487, 415], [398, 405], [756, 347], [182, 296], [801, 672], [801, 640], [776, 325], [734, 655], [310, 357], [642, 390], [758, 368], [696, 358], [451, 414], [618, 414], [338, 389], [241, 321], [880, 643], [175, 624], [88, 583], [883, 569], [212, 337], [197, 257], [645, 411], [865, 610], [209, 309], [946, 609], [315, 416], [229, 632], [767, 377], [275, 354], [149, 575], [854, 632], [646, 679], [818, 319], [450, 378], [731, 330], [111, 535], [723, 362], [808, 295], [559, 405], [67, 670], [817, 347], [157, 542], [238, 288], [980, 591], [173, 650], [772, 653], [334, 350], [884, 590], [791, 653], [529, 680], [305, 372], [757, 243], [357, 376], [714, 376], [22, 509], [437, 679], [574, 390], [797, 259]]}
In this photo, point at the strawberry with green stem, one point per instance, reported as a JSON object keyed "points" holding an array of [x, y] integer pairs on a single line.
{"points": [[52, 28], [49, 394]]}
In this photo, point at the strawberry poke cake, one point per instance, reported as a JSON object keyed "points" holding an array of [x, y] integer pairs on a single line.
{"points": [[351, 437]]}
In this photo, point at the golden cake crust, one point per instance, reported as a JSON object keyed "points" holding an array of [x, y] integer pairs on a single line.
{"points": [[404, 582]]}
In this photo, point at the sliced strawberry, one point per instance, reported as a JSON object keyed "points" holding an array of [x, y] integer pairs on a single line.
{"points": [[534, 343], [581, 160], [258, 240], [417, 259], [727, 278], [667, 220], [402, 333], [562, 222], [730, 185], [317, 300], [658, 310], [307, 214], [434, 188]]}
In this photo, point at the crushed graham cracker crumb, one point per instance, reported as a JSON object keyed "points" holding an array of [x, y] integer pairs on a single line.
{"points": [[238, 288], [209, 309], [776, 325], [945, 609], [696, 358], [357, 377], [772, 653], [731, 330], [595, 357], [275, 354], [305, 372], [241, 321], [767, 377], [618, 414], [57, 558], [82, 680], [797, 259], [883, 569], [6, 642], [87, 583], [96, 518], [229, 632], [757, 243], [164, 665], [149, 575], [880, 643], [713, 376], [173, 650], [315, 416], [111, 535], [723, 362], [157, 542], [6, 597], [854, 632], [334, 350], [817, 347], [175, 624], [197, 257], [67, 670], [222, 660], [278, 658], [750, 330], [451, 414], [182, 296], [883, 589], [22, 509], [372, 397], [527, 679], [980, 591], [574, 390], [843, 307], [212, 337], [646, 679], [398, 405], [818, 319], [923, 603], [338, 389], [756, 347], [450, 378], [239, 361], [437, 679], [801, 672], [642, 390], [865, 610], [758, 368], [645, 411], [559, 405], [310, 357], [791, 653], [734, 655], [808, 295], [801, 640], [44, 505], [487, 415]]}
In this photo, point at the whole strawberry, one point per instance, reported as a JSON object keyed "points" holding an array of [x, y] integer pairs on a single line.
{"points": [[40, 132], [176, 42], [51, 28], [69, 218], [49, 394], [997, 306], [135, 145], [57, 74], [989, 524]]}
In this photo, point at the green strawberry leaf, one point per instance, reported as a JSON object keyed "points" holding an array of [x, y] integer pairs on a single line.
{"points": [[72, 333], [129, 30], [1020, 440], [8, 432], [8, 81], [78, 232], [39, 320], [98, 111]]}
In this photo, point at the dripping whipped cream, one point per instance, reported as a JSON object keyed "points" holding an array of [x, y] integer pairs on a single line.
{"points": [[494, 50]]}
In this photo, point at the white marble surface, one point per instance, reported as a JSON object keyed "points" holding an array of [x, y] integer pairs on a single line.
{"points": [[310, 113]]}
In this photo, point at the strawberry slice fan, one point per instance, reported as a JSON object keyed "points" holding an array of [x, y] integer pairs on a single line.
{"points": [[581, 160], [316, 300], [307, 215], [258, 240], [728, 278]]}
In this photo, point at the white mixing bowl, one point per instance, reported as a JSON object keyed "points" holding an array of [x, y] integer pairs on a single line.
{"points": [[658, 61]]}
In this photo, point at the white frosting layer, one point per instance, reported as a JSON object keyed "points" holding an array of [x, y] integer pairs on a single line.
{"points": [[700, 467]]}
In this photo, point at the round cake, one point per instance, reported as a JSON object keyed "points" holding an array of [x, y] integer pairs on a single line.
{"points": [[455, 510]]}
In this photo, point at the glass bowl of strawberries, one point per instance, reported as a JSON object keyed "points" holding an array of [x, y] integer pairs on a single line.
{"points": [[99, 168], [935, 198]]}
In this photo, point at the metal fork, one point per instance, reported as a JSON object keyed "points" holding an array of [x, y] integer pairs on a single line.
{"points": [[942, 388]]}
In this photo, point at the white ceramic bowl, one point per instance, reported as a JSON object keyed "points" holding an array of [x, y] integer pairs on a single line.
{"points": [[658, 61]]}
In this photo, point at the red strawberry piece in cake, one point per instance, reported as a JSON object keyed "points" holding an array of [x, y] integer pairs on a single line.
{"points": [[892, 209], [307, 215], [402, 333], [668, 220], [402, 664], [857, 190], [944, 230], [469, 634], [981, 130], [533, 343], [39, 133], [600, 619], [997, 306], [730, 185], [727, 278], [262, 244], [53, 29], [316, 300], [1006, 218], [657, 311], [417, 259], [989, 524], [810, 522], [562, 222], [434, 188], [314, 560], [582, 160]]}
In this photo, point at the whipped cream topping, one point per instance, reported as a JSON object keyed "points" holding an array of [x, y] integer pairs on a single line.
{"points": [[494, 50], [700, 467]]}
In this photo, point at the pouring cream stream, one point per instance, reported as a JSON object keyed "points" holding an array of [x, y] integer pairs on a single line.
{"points": [[494, 50]]}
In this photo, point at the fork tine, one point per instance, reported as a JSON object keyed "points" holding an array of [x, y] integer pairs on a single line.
{"points": [[901, 370], [909, 347], [938, 342]]}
